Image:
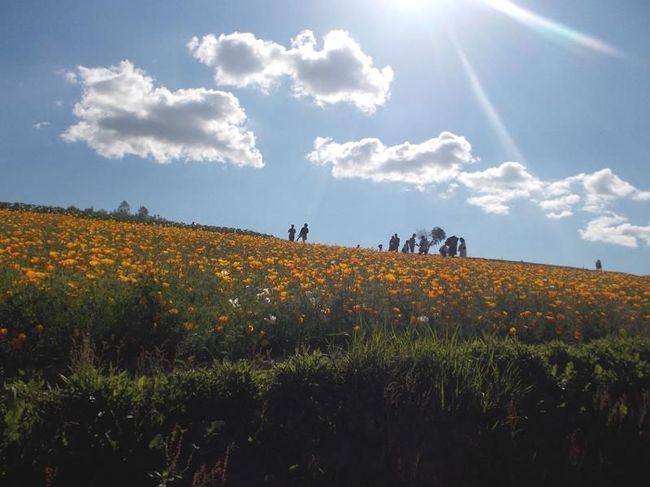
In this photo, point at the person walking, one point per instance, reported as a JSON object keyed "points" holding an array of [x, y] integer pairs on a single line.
{"points": [[423, 245], [396, 246], [462, 248], [599, 265], [411, 243], [292, 233], [451, 243], [303, 233]]}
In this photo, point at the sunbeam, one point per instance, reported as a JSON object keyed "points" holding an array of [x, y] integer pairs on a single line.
{"points": [[506, 140], [550, 28]]}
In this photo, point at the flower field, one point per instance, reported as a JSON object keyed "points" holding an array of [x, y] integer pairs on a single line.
{"points": [[237, 295], [147, 354]]}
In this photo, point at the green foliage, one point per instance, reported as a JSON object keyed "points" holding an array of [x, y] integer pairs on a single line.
{"points": [[408, 412]]}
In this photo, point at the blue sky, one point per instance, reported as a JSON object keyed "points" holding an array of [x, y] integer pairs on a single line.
{"points": [[522, 126]]}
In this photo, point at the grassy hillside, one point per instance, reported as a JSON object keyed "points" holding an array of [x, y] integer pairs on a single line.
{"points": [[184, 356]]}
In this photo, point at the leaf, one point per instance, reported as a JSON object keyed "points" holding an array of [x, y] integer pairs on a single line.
{"points": [[156, 443]]}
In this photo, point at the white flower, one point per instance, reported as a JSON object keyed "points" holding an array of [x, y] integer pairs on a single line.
{"points": [[234, 302], [264, 296], [271, 319], [423, 320]]}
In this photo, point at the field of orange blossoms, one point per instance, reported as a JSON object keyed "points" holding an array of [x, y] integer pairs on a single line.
{"points": [[139, 289]]}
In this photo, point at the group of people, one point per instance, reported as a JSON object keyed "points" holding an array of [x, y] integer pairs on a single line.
{"points": [[453, 246], [302, 235]]}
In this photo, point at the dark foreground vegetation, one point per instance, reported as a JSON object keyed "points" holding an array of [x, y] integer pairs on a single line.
{"points": [[483, 412]]}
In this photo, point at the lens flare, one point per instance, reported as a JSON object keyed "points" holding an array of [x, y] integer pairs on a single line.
{"points": [[550, 28], [505, 139]]}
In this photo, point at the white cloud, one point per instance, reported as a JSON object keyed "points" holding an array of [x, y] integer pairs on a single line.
{"points": [[338, 72], [121, 112], [240, 59], [436, 160], [493, 203], [498, 186], [442, 161], [557, 215], [604, 186], [615, 229], [560, 206], [40, 125], [69, 77], [509, 176]]}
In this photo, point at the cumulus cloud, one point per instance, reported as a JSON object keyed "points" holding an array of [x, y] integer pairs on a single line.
{"points": [[496, 203], [604, 186], [240, 59], [444, 161], [615, 229], [338, 72], [121, 112], [508, 177], [498, 186], [433, 161], [561, 206]]}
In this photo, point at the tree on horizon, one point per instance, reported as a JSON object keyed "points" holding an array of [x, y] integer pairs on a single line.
{"points": [[124, 208], [437, 235], [143, 213]]}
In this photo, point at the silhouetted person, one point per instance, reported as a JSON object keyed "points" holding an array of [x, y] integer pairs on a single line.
{"points": [[391, 243], [411, 243], [303, 233], [380, 247], [405, 248], [462, 248], [444, 250], [292, 233], [396, 246], [451, 243], [599, 265], [424, 246]]}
